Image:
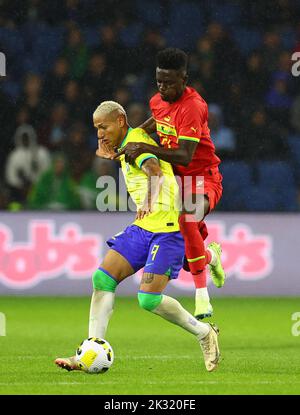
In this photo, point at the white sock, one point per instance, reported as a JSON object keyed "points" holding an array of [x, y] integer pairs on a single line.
{"points": [[101, 309], [171, 310], [213, 257], [202, 293]]}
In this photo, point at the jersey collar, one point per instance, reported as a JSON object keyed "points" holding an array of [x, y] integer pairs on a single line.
{"points": [[124, 139]]}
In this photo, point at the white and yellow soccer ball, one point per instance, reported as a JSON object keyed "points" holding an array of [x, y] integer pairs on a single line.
{"points": [[94, 355]]}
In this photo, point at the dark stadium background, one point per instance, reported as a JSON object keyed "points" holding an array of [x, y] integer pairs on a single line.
{"points": [[65, 57]]}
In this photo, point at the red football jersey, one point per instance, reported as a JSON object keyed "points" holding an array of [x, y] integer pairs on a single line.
{"points": [[186, 119]]}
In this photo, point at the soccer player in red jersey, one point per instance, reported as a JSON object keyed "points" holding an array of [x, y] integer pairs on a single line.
{"points": [[180, 118]]}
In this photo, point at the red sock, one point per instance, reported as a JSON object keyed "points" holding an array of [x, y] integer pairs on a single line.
{"points": [[194, 248], [200, 279], [208, 256]]}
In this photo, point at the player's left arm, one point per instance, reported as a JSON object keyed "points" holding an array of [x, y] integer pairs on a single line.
{"points": [[182, 155], [155, 181], [188, 138]]}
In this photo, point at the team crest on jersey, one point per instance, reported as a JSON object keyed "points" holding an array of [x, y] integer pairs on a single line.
{"points": [[168, 118], [165, 129]]}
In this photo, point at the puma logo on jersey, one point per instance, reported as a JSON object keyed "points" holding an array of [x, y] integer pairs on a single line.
{"points": [[167, 118], [194, 129]]}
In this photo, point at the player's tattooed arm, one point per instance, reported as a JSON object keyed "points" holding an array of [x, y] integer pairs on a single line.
{"points": [[182, 155], [155, 181]]}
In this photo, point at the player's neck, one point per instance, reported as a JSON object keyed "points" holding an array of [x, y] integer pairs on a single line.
{"points": [[179, 97], [125, 131]]}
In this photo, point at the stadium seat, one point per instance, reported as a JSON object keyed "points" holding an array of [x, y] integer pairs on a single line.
{"points": [[278, 178], [150, 12], [259, 199], [91, 36], [247, 40], [226, 14], [131, 35], [237, 175], [289, 38], [294, 145], [43, 44], [178, 35], [275, 174], [12, 42]]}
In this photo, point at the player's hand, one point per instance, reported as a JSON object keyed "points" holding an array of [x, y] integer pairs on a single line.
{"points": [[132, 151], [142, 212], [104, 151]]}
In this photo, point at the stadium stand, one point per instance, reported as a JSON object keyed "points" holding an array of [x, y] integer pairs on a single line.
{"points": [[239, 60]]}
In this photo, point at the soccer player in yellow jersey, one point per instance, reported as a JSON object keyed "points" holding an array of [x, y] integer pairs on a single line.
{"points": [[152, 242]]}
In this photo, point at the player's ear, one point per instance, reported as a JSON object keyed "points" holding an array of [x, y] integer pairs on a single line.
{"points": [[121, 120]]}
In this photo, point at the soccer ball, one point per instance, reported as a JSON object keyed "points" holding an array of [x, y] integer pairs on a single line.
{"points": [[94, 355]]}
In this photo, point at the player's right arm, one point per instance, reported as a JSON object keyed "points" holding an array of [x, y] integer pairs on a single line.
{"points": [[149, 126], [155, 181], [182, 155]]}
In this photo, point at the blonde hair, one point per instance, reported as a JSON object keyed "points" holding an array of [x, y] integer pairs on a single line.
{"points": [[107, 107]]}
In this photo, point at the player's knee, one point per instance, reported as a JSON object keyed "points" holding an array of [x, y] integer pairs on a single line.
{"points": [[149, 301], [103, 281]]}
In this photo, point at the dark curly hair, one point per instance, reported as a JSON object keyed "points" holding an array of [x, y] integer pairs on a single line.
{"points": [[172, 58]]}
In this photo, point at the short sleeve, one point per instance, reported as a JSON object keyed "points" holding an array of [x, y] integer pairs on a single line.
{"points": [[143, 157], [138, 135], [192, 122]]}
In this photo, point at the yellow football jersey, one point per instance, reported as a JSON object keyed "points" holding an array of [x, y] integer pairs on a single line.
{"points": [[164, 217]]}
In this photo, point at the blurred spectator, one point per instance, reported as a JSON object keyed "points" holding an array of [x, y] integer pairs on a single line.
{"points": [[76, 53], [152, 42], [106, 50], [25, 163], [98, 82], [205, 49], [73, 100], [225, 53], [256, 77], [76, 151], [222, 136], [295, 115], [22, 116], [87, 187], [236, 106], [32, 99], [278, 99], [53, 132], [271, 50], [202, 69], [209, 82], [115, 53], [122, 96], [5, 197], [56, 80], [55, 190], [137, 114], [7, 115], [260, 139]]}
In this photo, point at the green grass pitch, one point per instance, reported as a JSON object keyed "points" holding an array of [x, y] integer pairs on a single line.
{"points": [[259, 353]]}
